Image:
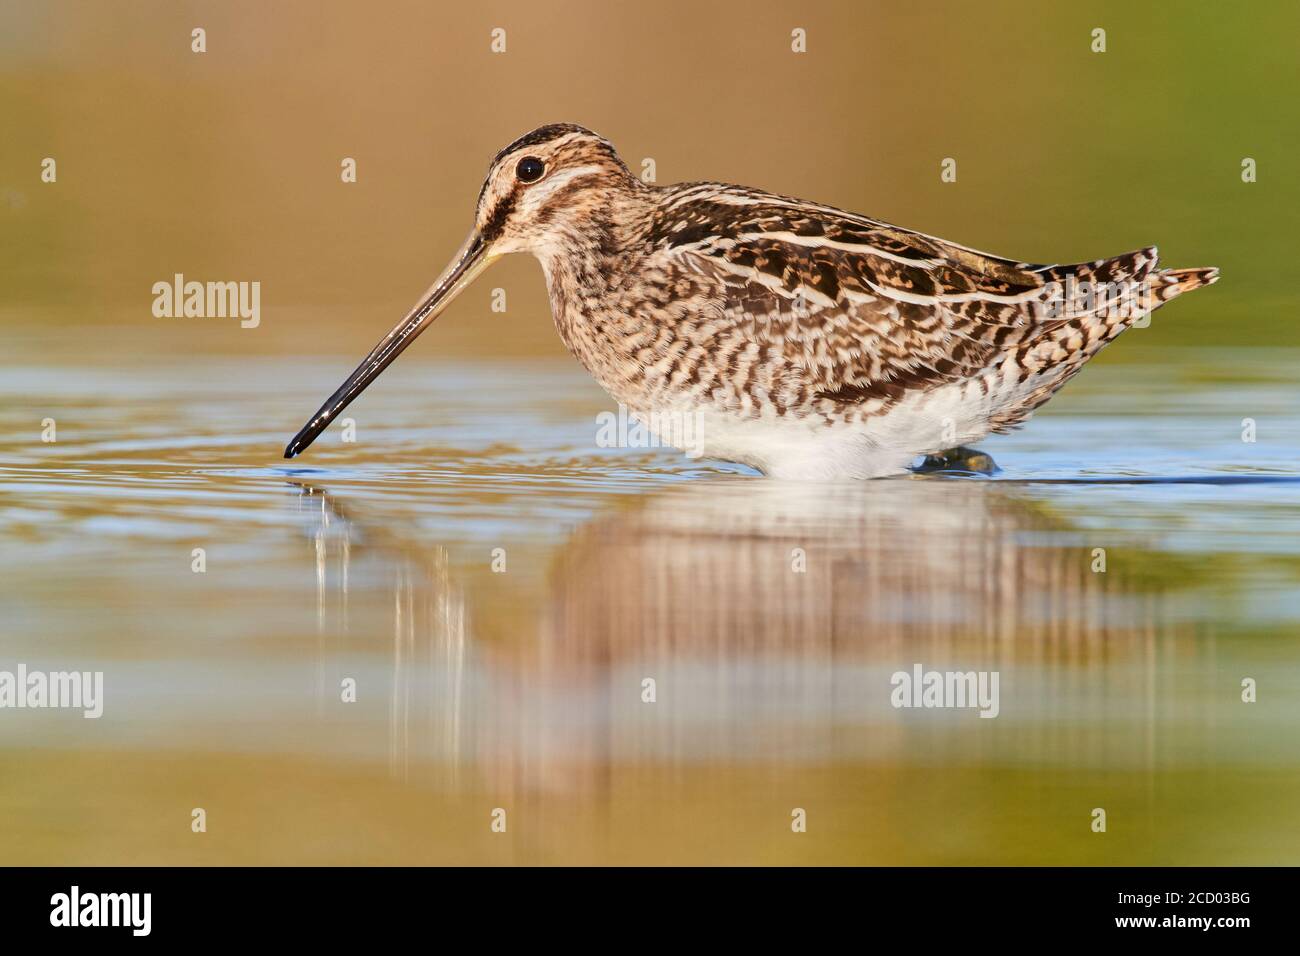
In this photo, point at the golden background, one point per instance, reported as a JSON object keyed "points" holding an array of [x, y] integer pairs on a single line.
{"points": [[225, 165]]}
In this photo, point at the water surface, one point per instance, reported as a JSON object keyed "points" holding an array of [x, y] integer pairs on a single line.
{"points": [[499, 588]]}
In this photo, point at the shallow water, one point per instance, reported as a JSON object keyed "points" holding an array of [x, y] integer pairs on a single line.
{"points": [[499, 588]]}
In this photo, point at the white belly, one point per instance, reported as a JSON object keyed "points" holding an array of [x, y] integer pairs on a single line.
{"points": [[783, 448], [887, 443]]}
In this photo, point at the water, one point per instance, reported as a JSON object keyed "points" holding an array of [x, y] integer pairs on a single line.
{"points": [[498, 588]]}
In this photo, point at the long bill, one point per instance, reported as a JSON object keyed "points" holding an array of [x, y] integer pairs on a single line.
{"points": [[464, 269]]}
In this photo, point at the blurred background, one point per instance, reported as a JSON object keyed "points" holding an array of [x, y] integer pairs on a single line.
{"points": [[226, 164], [519, 687]]}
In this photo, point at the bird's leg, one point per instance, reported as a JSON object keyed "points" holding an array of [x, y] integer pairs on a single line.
{"points": [[962, 459]]}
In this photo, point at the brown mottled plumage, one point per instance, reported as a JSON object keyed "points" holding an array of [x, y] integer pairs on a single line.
{"points": [[802, 339]]}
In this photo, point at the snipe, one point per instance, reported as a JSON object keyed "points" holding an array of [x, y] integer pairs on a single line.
{"points": [[804, 340]]}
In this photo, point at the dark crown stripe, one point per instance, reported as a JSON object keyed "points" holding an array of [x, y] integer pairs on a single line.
{"points": [[543, 134]]}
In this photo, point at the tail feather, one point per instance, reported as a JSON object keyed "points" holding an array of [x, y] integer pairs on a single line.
{"points": [[1134, 279], [1178, 281], [1064, 345]]}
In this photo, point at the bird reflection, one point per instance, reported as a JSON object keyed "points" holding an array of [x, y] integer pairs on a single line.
{"points": [[428, 645], [738, 621]]}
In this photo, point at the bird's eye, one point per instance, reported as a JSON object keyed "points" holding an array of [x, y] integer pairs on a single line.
{"points": [[530, 169]]}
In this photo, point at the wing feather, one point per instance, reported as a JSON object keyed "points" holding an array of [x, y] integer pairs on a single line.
{"points": [[866, 309]]}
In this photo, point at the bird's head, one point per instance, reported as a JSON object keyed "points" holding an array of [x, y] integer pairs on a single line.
{"points": [[548, 186], [544, 191]]}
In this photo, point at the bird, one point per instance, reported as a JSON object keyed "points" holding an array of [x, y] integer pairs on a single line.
{"points": [[802, 340]]}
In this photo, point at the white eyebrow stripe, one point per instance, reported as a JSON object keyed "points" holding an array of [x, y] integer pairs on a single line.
{"points": [[548, 187]]}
